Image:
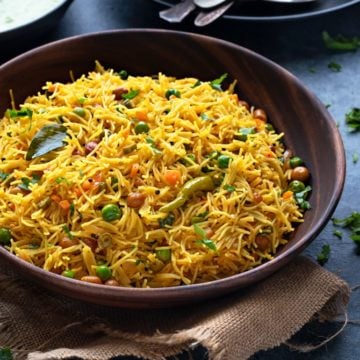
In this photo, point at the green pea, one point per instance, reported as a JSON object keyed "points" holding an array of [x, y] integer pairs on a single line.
{"points": [[103, 272], [111, 212], [5, 236], [163, 254], [141, 128], [68, 273], [223, 161], [123, 74], [243, 133], [171, 92], [79, 111], [296, 161], [296, 186]]}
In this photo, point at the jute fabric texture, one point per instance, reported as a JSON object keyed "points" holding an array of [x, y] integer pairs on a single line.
{"points": [[37, 324]]}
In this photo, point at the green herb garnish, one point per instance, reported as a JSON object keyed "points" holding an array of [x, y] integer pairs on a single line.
{"points": [[229, 188], [301, 196], [204, 240], [340, 42], [324, 254], [5, 354], [26, 182], [68, 232], [333, 66], [130, 95], [338, 233], [352, 119], [351, 222], [19, 113], [47, 139], [355, 157], [216, 84]]}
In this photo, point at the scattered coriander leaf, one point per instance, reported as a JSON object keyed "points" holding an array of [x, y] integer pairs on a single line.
{"points": [[19, 113], [130, 95], [335, 67], [355, 157], [301, 196], [327, 106], [72, 209], [229, 188], [199, 218], [338, 233], [351, 222], [324, 254], [197, 83], [5, 354], [312, 70], [61, 179], [216, 84], [25, 182], [352, 119], [68, 232], [340, 42]]}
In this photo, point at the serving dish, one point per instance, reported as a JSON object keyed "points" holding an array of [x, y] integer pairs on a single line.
{"points": [[292, 109], [31, 25], [262, 11]]}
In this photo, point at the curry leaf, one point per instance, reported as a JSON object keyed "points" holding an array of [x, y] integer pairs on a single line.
{"points": [[48, 138]]}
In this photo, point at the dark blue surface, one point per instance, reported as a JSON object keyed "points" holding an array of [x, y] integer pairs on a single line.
{"points": [[297, 46]]}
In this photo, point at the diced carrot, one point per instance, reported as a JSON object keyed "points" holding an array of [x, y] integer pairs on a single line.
{"points": [[142, 116], [172, 177], [134, 170], [77, 191], [65, 204], [98, 177], [56, 198], [11, 206], [270, 154], [287, 195], [88, 184]]}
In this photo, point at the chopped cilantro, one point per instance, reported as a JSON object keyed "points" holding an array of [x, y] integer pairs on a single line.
{"points": [[338, 233], [229, 188], [340, 42], [352, 119], [312, 70], [197, 83], [216, 84], [335, 67], [301, 196], [68, 232], [61, 179], [355, 157], [327, 105], [351, 222], [26, 182], [3, 176], [72, 209], [204, 241], [5, 354], [130, 95], [19, 113], [324, 254]]}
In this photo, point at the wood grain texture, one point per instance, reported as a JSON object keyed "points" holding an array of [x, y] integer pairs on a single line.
{"points": [[309, 130]]}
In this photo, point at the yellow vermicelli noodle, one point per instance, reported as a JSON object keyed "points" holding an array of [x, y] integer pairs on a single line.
{"points": [[155, 182]]}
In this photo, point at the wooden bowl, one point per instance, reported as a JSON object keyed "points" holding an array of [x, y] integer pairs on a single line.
{"points": [[309, 130]]}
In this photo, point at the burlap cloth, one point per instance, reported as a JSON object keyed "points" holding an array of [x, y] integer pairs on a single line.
{"points": [[37, 324]]}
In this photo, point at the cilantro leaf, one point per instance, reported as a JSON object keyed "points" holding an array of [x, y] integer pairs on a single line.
{"points": [[333, 66], [351, 222], [352, 119], [3, 176], [5, 354], [338, 233], [229, 188], [68, 232], [26, 182], [204, 241], [355, 157], [301, 196], [216, 84], [340, 42], [130, 95], [324, 254]]}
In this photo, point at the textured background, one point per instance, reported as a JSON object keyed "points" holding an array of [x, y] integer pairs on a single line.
{"points": [[297, 46]]}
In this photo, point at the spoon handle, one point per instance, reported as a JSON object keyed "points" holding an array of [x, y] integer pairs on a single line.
{"points": [[206, 17], [178, 12]]}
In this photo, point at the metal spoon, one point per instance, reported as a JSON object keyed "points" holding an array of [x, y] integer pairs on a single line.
{"points": [[178, 12]]}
